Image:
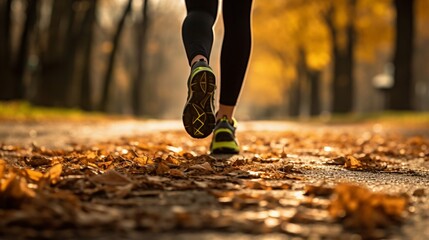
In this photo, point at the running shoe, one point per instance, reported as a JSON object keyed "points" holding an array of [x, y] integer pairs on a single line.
{"points": [[224, 141], [198, 115]]}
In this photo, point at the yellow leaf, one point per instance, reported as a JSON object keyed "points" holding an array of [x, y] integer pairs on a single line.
{"points": [[352, 163], [91, 156], [34, 175], [54, 173], [15, 189], [141, 161]]}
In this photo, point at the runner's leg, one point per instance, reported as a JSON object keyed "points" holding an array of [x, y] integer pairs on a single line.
{"points": [[197, 28], [235, 53]]}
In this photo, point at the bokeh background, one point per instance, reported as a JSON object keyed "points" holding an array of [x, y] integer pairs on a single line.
{"points": [[309, 58]]}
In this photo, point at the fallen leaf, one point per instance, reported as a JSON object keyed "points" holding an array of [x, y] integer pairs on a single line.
{"points": [[54, 173], [112, 178], [150, 168], [205, 166], [419, 192], [14, 191], [37, 161], [92, 156], [143, 160], [162, 168], [34, 175], [352, 163], [337, 161], [115, 191], [360, 208], [286, 168], [177, 173], [172, 160], [188, 155], [363, 163]]}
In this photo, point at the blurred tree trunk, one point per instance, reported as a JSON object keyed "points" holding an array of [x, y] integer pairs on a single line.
{"points": [[71, 61], [343, 61], [294, 94], [53, 82], [87, 45], [296, 90], [305, 92], [21, 62], [6, 83], [314, 80], [108, 78], [139, 81], [400, 96], [64, 80], [303, 87]]}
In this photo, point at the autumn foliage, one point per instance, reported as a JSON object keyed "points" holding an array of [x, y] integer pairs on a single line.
{"points": [[163, 181]]}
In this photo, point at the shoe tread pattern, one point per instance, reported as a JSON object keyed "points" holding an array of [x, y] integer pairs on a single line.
{"points": [[198, 114]]}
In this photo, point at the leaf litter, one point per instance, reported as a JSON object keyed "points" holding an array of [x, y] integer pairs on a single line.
{"points": [[164, 183]]}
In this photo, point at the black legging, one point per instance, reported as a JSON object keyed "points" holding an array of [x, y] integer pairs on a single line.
{"points": [[197, 36]]}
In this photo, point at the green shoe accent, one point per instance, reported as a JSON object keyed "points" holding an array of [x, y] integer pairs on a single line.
{"points": [[224, 141], [198, 115]]}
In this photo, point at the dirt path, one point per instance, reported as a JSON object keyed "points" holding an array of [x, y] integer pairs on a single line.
{"points": [[147, 179]]}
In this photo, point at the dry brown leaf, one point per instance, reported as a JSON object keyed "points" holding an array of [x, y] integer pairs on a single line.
{"points": [[162, 168], [150, 168], [112, 178], [286, 168], [143, 160], [205, 166], [362, 163], [172, 160], [188, 155], [115, 191], [14, 190], [337, 161], [177, 173], [37, 161], [419, 192], [360, 208], [352, 163], [91, 156]]}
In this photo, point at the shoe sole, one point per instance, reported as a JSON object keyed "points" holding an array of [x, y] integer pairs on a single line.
{"points": [[198, 115]]}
